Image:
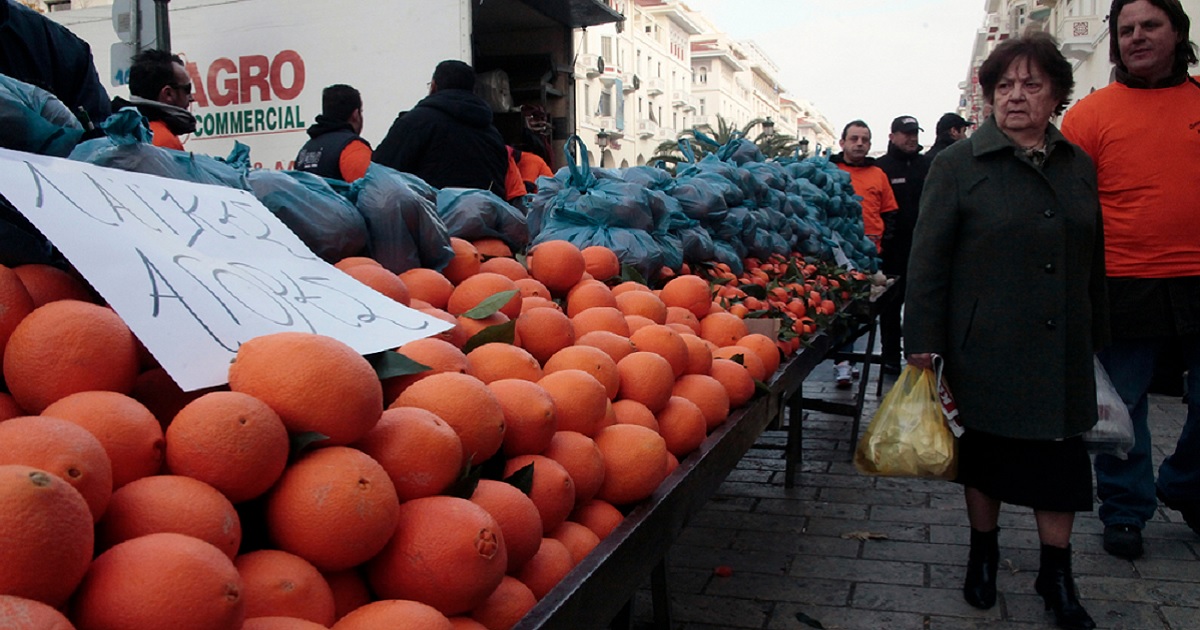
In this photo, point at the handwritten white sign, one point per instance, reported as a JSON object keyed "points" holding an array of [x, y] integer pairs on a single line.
{"points": [[196, 270]]}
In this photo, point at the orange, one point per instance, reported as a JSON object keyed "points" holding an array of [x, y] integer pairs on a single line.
{"points": [[277, 583], [507, 267], [677, 315], [708, 394], [468, 328], [449, 334], [352, 261], [19, 613], [492, 248], [643, 303], [690, 292], [532, 288], [231, 441], [507, 605], [47, 283], [578, 538], [466, 623], [634, 463], [736, 380], [544, 332], [8, 407], [589, 294], [66, 347], [672, 462], [15, 304], [647, 378], [750, 359], [420, 452], [47, 542], [465, 263], [578, 455], [161, 581], [495, 361], [479, 287], [600, 318], [682, 425], [546, 568], [601, 262], [170, 503], [280, 623], [765, 348], [723, 329], [467, 405], [396, 614], [578, 400], [699, 356], [382, 281], [610, 416], [530, 419], [616, 346], [637, 322], [553, 490], [518, 517], [130, 434], [530, 303], [592, 360], [155, 389], [634, 412], [428, 285], [64, 449], [447, 552], [350, 590], [557, 264], [438, 355], [333, 489], [315, 383], [630, 285], [664, 342], [599, 516]]}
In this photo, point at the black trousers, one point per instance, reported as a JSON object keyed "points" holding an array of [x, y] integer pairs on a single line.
{"points": [[890, 327]]}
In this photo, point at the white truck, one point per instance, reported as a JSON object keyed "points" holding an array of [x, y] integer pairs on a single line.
{"points": [[258, 66]]}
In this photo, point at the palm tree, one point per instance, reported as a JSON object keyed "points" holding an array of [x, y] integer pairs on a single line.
{"points": [[703, 140]]}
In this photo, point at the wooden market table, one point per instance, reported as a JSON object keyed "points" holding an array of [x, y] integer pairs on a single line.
{"points": [[600, 589]]}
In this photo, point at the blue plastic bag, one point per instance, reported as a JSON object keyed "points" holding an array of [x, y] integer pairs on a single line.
{"points": [[404, 230], [35, 121], [326, 221], [474, 214]]}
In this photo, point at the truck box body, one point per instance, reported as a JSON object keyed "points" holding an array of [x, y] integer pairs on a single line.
{"points": [[258, 66]]}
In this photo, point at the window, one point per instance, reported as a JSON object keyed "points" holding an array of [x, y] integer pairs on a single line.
{"points": [[702, 107], [606, 45], [605, 106]]}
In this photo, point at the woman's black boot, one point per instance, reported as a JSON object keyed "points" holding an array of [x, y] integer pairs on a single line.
{"points": [[979, 588], [1057, 588]]}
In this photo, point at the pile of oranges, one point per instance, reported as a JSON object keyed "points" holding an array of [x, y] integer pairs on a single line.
{"points": [[317, 492]]}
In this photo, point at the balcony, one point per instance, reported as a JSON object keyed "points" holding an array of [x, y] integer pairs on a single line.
{"points": [[607, 123], [610, 75], [666, 133], [587, 64], [1077, 36], [647, 129], [630, 82], [654, 87], [680, 98]]}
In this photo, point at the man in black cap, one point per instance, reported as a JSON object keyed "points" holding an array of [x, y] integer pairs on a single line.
{"points": [[906, 169], [335, 150], [950, 129]]}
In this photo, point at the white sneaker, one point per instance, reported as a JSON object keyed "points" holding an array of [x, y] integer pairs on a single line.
{"points": [[843, 374]]}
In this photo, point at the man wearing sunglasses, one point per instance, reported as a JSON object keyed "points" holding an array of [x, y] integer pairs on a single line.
{"points": [[160, 88]]}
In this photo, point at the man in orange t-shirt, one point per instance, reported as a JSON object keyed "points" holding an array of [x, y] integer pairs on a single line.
{"points": [[335, 150], [161, 89], [1143, 132]]}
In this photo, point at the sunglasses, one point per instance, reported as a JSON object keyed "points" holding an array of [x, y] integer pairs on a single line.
{"points": [[186, 88]]}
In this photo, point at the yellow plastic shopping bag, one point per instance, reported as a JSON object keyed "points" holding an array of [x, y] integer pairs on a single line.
{"points": [[908, 436]]}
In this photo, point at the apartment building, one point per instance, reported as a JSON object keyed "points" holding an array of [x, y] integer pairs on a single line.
{"points": [[1082, 30]]}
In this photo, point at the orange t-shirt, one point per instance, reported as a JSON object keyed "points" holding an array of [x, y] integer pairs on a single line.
{"points": [[354, 160], [163, 136], [873, 185], [514, 187], [532, 166], [1146, 145]]}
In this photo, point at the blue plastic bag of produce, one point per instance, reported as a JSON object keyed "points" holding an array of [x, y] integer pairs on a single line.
{"points": [[473, 214], [701, 200], [404, 230], [326, 221], [35, 121]]}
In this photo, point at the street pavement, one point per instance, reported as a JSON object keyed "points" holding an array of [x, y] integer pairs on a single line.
{"points": [[844, 550]]}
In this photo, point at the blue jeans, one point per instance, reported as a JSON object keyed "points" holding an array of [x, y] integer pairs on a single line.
{"points": [[1126, 488]]}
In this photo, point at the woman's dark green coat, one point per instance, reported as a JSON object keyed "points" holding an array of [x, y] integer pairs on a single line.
{"points": [[1006, 282]]}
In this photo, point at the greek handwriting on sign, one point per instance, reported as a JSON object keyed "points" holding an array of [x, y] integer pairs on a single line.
{"points": [[196, 270]]}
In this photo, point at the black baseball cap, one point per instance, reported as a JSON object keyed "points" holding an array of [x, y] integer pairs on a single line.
{"points": [[952, 121], [906, 124]]}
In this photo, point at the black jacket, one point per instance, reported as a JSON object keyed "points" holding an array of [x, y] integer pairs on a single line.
{"points": [[42, 52], [906, 172], [938, 145], [322, 154], [448, 140]]}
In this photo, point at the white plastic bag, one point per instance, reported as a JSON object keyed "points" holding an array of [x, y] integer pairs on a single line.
{"points": [[1113, 434]]}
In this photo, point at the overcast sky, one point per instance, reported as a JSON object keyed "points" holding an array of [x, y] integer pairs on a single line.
{"points": [[868, 59]]}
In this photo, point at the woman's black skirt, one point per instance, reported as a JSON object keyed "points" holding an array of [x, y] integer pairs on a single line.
{"points": [[1051, 475]]}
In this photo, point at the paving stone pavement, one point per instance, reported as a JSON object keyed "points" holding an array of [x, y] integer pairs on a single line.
{"points": [[795, 564]]}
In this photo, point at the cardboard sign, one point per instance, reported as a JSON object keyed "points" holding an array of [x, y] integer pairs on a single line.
{"points": [[196, 270]]}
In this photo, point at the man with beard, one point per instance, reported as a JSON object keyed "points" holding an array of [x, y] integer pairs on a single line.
{"points": [[160, 88]]}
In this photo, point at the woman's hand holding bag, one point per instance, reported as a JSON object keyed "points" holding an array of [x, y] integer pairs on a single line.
{"points": [[908, 437]]}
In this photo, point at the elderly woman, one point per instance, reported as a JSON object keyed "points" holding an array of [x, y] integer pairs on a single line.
{"points": [[1006, 283]]}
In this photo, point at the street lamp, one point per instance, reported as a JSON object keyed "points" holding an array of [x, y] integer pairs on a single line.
{"points": [[804, 147], [602, 139], [768, 126]]}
